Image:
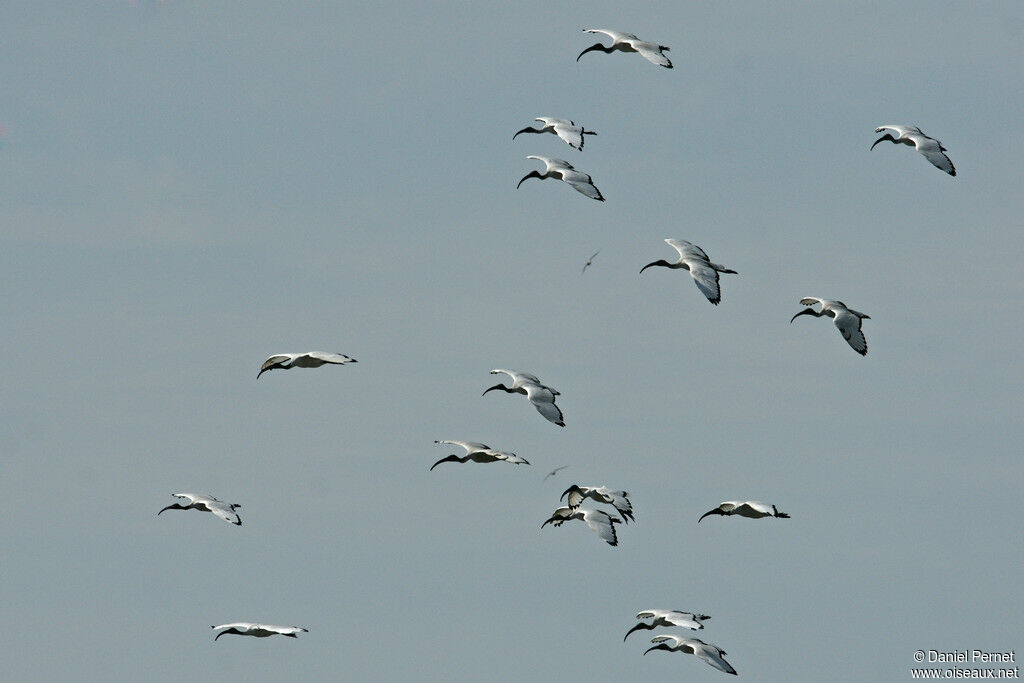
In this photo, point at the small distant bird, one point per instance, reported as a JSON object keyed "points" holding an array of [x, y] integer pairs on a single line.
{"points": [[560, 169], [627, 42], [602, 494], [225, 511], [542, 397], [311, 359], [554, 472], [704, 272], [847, 320], [598, 520], [247, 628], [590, 261], [912, 136], [750, 508], [665, 617], [712, 654], [563, 128], [479, 452]]}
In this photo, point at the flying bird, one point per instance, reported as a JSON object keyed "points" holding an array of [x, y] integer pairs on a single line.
{"points": [[570, 133], [479, 452], [247, 628], [564, 171], [225, 511], [627, 42], [590, 261], [912, 136], [311, 359], [598, 520], [751, 508], [602, 494], [542, 397], [665, 617], [704, 272], [554, 472], [712, 654], [848, 321]]}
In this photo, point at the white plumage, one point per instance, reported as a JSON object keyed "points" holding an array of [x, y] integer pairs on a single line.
{"points": [[560, 169], [567, 130], [668, 618], [542, 397], [704, 272], [750, 508], [627, 42], [598, 520], [310, 359], [847, 320], [225, 511], [602, 494], [479, 452], [712, 654], [912, 136]]}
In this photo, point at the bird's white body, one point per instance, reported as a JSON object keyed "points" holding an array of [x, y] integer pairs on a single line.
{"points": [[542, 397], [248, 628], [694, 259], [847, 320], [668, 618], [627, 42], [479, 452], [929, 147], [748, 508], [565, 129], [225, 511], [602, 494], [310, 359], [560, 169], [598, 520], [712, 654]]}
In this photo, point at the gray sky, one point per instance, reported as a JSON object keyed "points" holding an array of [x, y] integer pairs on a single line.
{"points": [[189, 187]]}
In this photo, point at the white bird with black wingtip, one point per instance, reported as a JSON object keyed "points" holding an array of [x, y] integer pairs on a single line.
{"points": [[248, 628], [712, 654], [560, 169], [602, 494], [667, 618], [929, 147], [847, 320], [225, 511], [750, 508], [694, 259], [600, 521], [542, 397], [565, 129], [627, 42], [310, 359], [479, 452]]}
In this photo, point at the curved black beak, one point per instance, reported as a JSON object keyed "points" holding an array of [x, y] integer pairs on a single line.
{"points": [[806, 311], [528, 129], [660, 262], [887, 136], [635, 628], [496, 386], [716, 511], [596, 46], [531, 174]]}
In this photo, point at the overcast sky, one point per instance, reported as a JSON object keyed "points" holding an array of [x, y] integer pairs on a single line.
{"points": [[190, 187]]}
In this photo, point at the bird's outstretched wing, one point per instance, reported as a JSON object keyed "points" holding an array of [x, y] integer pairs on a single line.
{"points": [[850, 327]]}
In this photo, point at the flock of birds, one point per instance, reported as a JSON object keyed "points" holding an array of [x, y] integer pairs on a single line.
{"points": [[705, 274]]}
